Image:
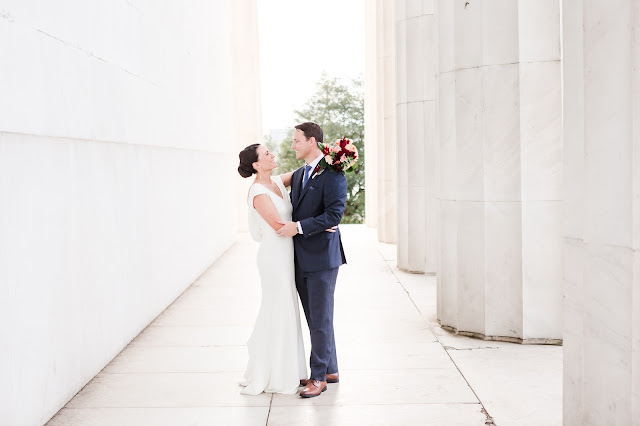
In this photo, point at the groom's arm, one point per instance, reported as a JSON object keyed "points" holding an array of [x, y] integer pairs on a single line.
{"points": [[334, 197]]}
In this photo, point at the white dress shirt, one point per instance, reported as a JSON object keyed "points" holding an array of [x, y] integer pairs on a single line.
{"points": [[314, 163]]}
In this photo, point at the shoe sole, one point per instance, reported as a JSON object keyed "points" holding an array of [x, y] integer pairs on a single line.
{"points": [[311, 396]]}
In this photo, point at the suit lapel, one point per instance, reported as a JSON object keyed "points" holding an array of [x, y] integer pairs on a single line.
{"points": [[296, 185], [306, 188]]}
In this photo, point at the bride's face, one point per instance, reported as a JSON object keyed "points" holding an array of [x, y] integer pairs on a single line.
{"points": [[266, 160]]}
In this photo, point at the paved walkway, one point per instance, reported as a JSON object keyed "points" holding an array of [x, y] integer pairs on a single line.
{"points": [[397, 366]]}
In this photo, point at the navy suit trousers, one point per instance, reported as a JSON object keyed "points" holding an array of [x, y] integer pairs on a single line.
{"points": [[316, 291]]}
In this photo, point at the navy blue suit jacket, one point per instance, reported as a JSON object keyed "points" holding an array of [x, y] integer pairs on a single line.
{"points": [[318, 206]]}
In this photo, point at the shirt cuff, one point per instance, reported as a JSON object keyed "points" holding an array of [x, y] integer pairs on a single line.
{"points": [[299, 227]]}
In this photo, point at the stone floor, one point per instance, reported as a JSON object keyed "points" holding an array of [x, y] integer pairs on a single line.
{"points": [[397, 366]]}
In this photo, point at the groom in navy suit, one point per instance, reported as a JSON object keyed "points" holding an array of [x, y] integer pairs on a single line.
{"points": [[318, 197]]}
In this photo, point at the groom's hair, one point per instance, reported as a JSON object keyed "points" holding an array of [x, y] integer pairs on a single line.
{"points": [[310, 129]]}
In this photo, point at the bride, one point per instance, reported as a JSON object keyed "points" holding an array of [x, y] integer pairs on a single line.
{"points": [[276, 350]]}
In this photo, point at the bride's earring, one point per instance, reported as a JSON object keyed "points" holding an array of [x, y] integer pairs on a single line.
{"points": [[259, 173]]}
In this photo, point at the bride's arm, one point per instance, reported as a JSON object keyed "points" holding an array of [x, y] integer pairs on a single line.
{"points": [[286, 179], [265, 208]]}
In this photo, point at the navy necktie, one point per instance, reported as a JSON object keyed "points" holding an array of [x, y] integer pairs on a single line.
{"points": [[305, 178]]}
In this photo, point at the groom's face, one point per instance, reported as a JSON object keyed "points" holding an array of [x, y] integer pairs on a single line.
{"points": [[301, 145]]}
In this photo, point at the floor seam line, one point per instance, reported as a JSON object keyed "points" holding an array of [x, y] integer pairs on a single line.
{"points": [[489, 419], [269, 412]]}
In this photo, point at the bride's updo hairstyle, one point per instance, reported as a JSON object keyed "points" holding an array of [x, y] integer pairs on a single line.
{"points": [[248, 156]]}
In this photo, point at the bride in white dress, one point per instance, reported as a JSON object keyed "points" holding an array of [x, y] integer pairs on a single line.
{"points": [[276, 350]]}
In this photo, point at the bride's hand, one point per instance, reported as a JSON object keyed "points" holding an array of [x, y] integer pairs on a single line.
{"points": [[332, 229]]}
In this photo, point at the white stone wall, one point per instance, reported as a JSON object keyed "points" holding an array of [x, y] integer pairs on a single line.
{"points": [[247, 106], [116, 152], [601, 95]]}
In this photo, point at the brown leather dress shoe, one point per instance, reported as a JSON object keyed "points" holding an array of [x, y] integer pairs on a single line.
{"points": [[331, 378], [313, 388]]}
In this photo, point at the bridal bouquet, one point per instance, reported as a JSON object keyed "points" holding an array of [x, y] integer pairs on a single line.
{"points": [[341, 156]]}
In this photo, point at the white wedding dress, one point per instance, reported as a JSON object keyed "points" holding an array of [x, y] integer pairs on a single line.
{"points": [[276, 350]]}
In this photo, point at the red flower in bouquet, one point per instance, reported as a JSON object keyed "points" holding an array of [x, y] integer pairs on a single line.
{"points": [[341, 156]]}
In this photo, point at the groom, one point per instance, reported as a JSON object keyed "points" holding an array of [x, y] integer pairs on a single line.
{"points": [[318, 197]]}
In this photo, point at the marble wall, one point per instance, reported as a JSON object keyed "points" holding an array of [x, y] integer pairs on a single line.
{"points": [[417, 144], [500, 136], [245, 89], [115, 151], [601, 46]]}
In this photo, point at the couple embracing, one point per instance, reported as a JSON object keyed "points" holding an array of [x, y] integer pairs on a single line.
{"points": [[300, 254]]}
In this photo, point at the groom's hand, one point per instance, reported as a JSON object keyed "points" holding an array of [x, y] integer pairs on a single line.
{"points": [[288, 229]]}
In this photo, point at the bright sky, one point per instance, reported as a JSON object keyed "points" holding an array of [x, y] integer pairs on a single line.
{"points": [[299, 39]]}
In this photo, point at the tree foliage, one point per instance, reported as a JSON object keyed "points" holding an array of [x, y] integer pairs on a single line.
{"points": [[338, 107]]}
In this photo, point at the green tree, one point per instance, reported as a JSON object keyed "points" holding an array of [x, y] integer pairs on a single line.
{"points": [[272, 146], [286, 157], [338, 108]]}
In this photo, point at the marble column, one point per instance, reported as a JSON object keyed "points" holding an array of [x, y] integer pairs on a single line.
{"points": [[500, 147], [380, 120], [416, 139], [370, 114], [601, 48]]}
